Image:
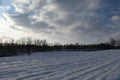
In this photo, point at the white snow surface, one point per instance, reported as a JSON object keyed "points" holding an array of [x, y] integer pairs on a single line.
{"points": [[62, 65]]}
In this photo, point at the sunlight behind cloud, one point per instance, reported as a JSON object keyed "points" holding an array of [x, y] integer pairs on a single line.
{"points": [[88, 21]]}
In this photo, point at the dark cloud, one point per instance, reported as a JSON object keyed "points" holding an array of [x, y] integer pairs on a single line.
{"points": [[37, 4], [20, 19], [67, 4], [23, 20], [77, 5], [90, 20], [51, 15]]}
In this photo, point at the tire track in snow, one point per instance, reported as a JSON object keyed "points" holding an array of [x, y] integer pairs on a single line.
{"points": [[94, 69], [76, 67], [103, 72], [72, 72]]}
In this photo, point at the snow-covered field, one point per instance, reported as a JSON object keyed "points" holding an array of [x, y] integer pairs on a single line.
{"points": [[94, 65]]}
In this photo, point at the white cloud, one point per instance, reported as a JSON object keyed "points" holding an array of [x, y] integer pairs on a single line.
{"points": [[61, 18], [21, 1], [5, 8], [116, 18], [20, 8], [115, 21]]}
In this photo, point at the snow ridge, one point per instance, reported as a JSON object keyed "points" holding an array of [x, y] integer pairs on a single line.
{"points": [[62, 65]]}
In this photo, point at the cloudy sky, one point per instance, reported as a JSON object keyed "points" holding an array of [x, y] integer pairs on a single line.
{"points": [[64, 21]]}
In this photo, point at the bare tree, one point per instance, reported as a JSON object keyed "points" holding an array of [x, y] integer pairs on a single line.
{"points": [[112, 42]]}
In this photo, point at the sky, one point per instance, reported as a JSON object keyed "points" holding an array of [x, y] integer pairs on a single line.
{"points": [[63, 21]]}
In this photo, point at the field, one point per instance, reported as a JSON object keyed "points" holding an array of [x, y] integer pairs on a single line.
{"points": [[62, 65]]}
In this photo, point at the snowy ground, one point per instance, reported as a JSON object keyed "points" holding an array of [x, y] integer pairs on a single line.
{"points": [[97, 65]]}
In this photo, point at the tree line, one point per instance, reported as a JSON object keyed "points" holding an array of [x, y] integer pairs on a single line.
{"points": [[28, 46]]}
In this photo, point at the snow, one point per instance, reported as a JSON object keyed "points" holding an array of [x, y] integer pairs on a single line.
{"points": [[62, 65]]}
